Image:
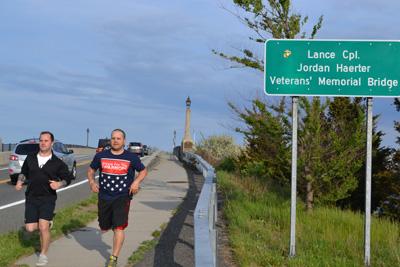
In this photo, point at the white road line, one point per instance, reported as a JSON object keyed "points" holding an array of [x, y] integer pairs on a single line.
{"points": [[59, 190], [12, 204], [3, 169], [82, 157]]}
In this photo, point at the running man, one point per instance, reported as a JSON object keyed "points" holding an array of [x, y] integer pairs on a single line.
{"points": [[44, 173], [117, 184]]}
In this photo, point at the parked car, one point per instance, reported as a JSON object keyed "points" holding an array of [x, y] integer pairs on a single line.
{"points": [[137, 148], [103, 144], [23, 148]]}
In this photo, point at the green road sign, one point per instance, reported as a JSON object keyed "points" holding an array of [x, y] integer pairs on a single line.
{"points": [[332, 68]]}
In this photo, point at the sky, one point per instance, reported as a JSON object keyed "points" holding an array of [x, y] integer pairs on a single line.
{"points": [[69, 66]]}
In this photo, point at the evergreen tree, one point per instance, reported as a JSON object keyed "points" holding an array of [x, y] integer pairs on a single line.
{"points": [[312, 139], [346, 150], [331, 146], [391, 202], [267, 136]]}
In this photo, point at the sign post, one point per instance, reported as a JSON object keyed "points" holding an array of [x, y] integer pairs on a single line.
{"points": [[368, 169], [292, 246], [346, 68]]}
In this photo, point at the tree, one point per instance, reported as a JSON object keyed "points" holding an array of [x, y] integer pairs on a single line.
{"points": [[331, 145], [391, 201], [267, 137], [267, 132], [345, 153], [311, 148], [273, 19]]}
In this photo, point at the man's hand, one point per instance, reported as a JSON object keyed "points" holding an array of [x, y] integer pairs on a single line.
{"points": [[94, 187], [55, 184], [18, 186], [134, 187], [92, 183]]}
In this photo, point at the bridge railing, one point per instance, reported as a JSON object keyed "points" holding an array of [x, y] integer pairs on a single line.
{"points": [[205, 214]]}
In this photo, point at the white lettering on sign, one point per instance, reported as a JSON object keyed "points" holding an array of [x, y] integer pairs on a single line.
{"points": [[289, 81], [313, 68], [339, 82], [323, 55], [351, 68], [350, 55], [382, 82]]}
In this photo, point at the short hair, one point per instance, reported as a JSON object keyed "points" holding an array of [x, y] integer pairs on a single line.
{"points": [[119, 130], [49, 133]]}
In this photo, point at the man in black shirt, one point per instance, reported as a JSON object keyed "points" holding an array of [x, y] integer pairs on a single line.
{"points": [[44, 174]]}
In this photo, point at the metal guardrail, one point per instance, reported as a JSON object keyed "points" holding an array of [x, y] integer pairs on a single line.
{"points": [[205, 214]]}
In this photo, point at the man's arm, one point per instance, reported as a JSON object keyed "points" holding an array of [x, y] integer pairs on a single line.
{"points": [[64, 175], [22, 176], [136, 183], [92, 183]]}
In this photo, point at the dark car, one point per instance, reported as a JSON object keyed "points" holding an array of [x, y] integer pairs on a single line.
{"points": [[137, 148], [103, 144]]}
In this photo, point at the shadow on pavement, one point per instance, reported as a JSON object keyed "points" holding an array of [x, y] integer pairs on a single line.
{"points": [[175, 247], [91, 239]]}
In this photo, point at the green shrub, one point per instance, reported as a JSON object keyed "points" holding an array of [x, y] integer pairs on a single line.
{"points": [[227, 164]]}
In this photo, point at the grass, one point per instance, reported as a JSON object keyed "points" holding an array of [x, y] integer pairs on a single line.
{"points": [[258, 219], [15, 244], [144, 247]]}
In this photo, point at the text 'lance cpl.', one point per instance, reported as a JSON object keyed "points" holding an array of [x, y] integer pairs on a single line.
{"points": [[346, 54]]}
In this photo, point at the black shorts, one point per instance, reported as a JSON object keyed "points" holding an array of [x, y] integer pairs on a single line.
{"points": [[39, 208], [113, 213]]}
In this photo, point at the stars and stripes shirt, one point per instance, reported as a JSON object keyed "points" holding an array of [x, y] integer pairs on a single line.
{"points": [[116, 172]]}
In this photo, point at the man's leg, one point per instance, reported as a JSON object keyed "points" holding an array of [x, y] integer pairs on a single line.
{"points": [[31, 215], [44, 235], [119, 237], [120, 222], [31, 227], [46, 213]]}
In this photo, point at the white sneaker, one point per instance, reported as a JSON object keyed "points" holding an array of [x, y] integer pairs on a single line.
{"points": [[42, 261]]}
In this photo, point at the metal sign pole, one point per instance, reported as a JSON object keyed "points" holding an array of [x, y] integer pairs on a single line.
{"points": [[294, 178], [368, 164]]}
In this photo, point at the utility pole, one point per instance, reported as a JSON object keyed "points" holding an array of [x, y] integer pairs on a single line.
{"points": [[87, 137], [174, 140]]}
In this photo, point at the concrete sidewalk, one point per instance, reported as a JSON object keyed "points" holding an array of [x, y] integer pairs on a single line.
{"points": [[162, 191]]}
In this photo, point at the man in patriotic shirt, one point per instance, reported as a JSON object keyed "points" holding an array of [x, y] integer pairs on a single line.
{"points": [[117, 183]]}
